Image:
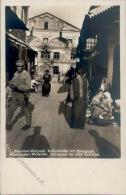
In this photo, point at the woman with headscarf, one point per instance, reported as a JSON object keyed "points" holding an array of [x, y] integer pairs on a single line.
{"points": [[101, 105]]}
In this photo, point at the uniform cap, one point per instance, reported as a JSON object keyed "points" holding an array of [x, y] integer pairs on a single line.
{"points": [[19, 63]]}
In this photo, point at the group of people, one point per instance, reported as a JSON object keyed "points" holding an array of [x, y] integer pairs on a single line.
{"points": [[100, 104], [103, 110], [45, 82]]}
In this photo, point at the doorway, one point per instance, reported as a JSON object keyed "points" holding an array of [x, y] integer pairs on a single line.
{"points": [[55, 69]]}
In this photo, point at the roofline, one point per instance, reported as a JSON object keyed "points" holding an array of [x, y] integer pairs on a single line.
{"points": [[55, 17], [12, 37], [107, 8]]}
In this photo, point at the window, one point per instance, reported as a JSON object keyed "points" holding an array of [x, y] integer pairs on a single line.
{"points": [[90, 43], [45, 55], [55, 69], [70, 40], [56, 55], [46, 25]]}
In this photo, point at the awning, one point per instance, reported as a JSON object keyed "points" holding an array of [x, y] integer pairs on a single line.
{"points": [[97, 21], [97, 10], [102, 17], [16, 40], [12, 21]]}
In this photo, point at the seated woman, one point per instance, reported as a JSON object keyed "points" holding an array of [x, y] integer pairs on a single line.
{"points": [[101, 106]]}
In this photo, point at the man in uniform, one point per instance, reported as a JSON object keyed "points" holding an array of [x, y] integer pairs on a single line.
{"points": [[20, 85]]}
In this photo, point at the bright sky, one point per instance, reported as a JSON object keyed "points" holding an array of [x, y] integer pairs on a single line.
{"points": [[72, 14]]}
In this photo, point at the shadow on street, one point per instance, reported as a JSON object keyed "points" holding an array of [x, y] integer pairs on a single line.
{"points": [[106, 149], [36, 141], [66, 111], [63, 88]]}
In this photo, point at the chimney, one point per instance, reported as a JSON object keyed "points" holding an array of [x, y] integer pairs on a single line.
{"points": [[60, 34], [31, 32]]}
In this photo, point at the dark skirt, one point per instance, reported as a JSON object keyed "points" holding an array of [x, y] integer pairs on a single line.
{"points": [[46, 87], [78, 113]]}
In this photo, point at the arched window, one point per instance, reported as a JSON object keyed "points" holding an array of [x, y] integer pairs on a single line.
{"points": [[46, 25]]}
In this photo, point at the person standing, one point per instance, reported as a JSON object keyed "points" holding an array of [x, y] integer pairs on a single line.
{"points": [[78, 94], [20, 86], [70, 75], [46, 87]]}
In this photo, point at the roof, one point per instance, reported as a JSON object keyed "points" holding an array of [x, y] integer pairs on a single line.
{"points": [[99, 20], [55, 17], [97, 10]]}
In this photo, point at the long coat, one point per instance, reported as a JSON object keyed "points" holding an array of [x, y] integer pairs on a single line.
{"points": [[78, 92]]}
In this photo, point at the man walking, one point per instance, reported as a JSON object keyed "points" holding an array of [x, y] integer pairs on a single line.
{"points": [[20, 85]]}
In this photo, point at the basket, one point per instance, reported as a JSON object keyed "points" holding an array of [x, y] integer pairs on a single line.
{"points": [[105, 119]]}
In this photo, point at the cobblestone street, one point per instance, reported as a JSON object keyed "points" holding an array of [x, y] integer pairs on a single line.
{"points": [[49, 114]]}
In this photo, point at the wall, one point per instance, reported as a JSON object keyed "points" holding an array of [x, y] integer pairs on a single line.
{"points": [[53, 32], [50, 34]]}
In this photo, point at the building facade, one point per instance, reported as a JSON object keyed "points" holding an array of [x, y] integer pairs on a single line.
{"points": [[99, 45], [54, 40]]}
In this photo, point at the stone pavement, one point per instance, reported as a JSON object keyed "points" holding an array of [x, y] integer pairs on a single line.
{"points": [[50, 116]]}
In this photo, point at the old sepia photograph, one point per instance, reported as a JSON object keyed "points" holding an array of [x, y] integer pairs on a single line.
{"points": [[62, 72]]}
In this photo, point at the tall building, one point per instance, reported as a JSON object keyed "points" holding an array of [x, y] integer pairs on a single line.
{"points": [[54, 40]]}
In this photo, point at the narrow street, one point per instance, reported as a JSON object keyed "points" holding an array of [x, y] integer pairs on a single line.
{"points": [[49, 114]]}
